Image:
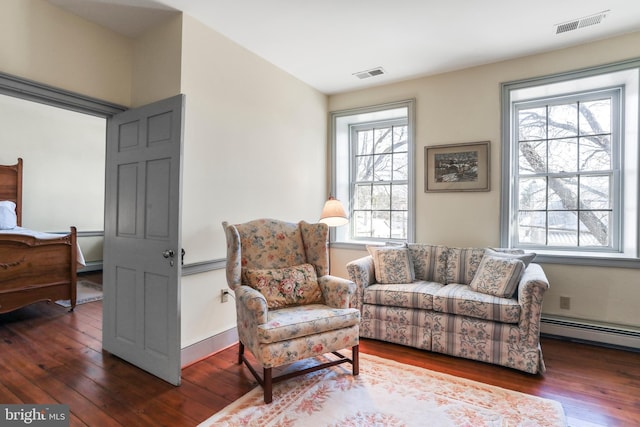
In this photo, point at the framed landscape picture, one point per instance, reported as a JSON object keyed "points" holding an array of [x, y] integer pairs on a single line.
{"points": [[457, 167]]}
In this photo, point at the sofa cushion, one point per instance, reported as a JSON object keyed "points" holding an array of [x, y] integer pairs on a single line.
{"points": [[498, 276], [460, 299], [525, 257], [293, 322], [418, 294], [392, 264], [462, 264], [429, 262], [287, 286]]}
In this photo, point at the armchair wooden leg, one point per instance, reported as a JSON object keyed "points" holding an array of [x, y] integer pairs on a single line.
{"points": [[240, 353], [355, 359], [268, 385]]}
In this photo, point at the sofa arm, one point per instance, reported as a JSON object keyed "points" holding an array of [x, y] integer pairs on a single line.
{"points": [[337, 292], [362, 272], [531, 289]]}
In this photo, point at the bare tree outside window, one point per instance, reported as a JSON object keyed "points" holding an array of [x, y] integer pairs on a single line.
{"points": [[565, 174]]}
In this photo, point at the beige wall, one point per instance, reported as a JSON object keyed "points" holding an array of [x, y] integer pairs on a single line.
{"points": [[464, 106], [157, 63], [41, 42], [255, 146]]}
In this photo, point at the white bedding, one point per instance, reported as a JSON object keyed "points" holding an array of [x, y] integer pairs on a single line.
{"points": [[41, 235]]}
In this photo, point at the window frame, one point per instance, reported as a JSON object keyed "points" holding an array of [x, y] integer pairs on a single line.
{"points": [[626, 78], [342, 123]]}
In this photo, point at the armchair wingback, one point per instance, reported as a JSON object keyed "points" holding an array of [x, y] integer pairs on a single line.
{"points": [[288, 306]]}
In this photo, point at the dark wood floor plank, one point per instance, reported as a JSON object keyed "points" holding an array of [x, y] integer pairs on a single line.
{"points": [[23, 388], [7, 396], [228, 385], [109, 401]]}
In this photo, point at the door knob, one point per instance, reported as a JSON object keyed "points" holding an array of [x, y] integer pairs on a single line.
{"points": [[168, 253]]}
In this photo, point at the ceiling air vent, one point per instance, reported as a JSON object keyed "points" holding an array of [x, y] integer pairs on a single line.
{"points": [[587, 21], [378, 71]]}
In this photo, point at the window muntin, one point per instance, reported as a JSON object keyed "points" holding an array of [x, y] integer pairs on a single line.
{"points": [[566, 180], [379, 180]]}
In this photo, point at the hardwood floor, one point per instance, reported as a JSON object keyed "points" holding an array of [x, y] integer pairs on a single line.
{"points": [[48, 355]]}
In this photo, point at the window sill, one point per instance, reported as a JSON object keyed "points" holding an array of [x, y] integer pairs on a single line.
{"points": [[586, 259], [360, 246]]}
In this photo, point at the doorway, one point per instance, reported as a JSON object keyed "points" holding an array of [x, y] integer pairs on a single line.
{"points": [[56, 99]]}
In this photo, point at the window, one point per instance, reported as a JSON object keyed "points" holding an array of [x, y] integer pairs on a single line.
{"points": [[372, 163], [569, 159], [379, 180]]}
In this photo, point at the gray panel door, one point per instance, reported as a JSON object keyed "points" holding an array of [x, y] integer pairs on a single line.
{"points": [[142, 268]]}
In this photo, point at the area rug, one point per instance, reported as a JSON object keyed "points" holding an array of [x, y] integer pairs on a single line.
{"points": [[389, 394], [86, 292]]}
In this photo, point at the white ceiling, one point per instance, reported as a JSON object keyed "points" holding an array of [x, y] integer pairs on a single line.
{"points": [[323, 43]]}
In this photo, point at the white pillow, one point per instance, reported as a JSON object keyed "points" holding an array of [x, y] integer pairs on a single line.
{"points": [[8, 218], [392, 264], [498, 276]]}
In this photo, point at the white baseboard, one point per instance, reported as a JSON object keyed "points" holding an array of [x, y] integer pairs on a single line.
{"points": [[615, 335], [206, 347]]}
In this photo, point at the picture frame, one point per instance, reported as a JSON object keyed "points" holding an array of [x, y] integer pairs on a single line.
{"points": [[457, 167]]}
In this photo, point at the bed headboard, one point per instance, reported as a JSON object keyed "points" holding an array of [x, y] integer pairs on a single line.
{"points": [[11, 186]]}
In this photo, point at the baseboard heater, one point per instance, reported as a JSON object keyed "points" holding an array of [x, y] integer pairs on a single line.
{"points": [[593, 332]]}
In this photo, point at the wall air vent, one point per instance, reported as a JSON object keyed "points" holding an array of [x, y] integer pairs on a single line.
{"points": [[587, 21], [378, 71]]}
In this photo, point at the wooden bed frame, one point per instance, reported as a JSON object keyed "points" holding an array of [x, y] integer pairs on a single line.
{"points": [[33, 269]]}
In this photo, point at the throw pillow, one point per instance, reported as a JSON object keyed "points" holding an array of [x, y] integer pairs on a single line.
{"points": [[392, 264], [498, 276], [8, 218], [527, 257], [283, 287]]}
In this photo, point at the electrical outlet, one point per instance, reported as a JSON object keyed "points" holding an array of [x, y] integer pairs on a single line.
{"points": [[224, 295], [565, 303]]}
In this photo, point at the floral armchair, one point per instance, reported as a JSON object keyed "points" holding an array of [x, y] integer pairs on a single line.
{"points": [[288, 306]]}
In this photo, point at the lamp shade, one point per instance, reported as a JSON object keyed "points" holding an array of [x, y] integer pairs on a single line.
{"points": [[333, 213]]}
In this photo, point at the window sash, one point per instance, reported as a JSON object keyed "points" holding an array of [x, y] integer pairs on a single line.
{"points": [[368, 214], [615, 199]]}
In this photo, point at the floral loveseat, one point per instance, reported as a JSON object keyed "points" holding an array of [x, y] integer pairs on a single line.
{"points": [[475, 303]]}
